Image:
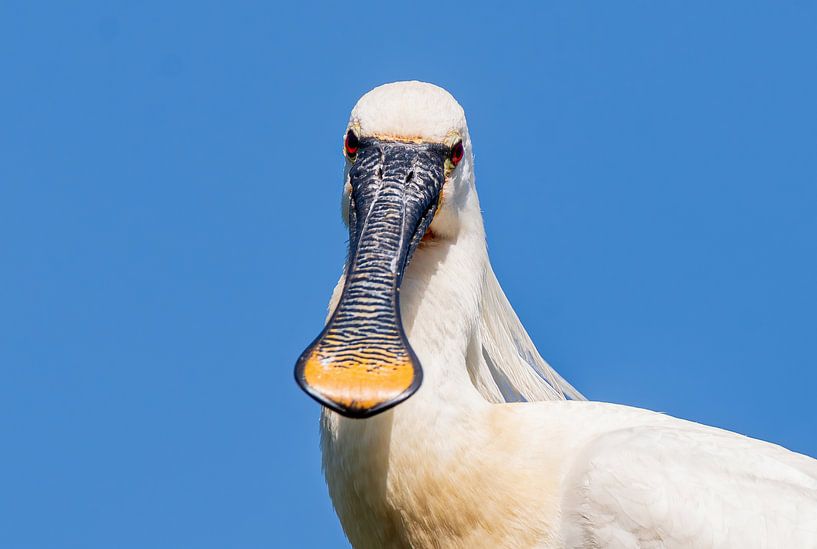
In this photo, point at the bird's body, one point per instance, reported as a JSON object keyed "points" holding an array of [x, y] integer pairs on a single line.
{"points": [[456, 465], [566, 474]]}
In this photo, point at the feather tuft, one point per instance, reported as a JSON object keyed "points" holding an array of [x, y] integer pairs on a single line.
{"points": [[510, 369]]}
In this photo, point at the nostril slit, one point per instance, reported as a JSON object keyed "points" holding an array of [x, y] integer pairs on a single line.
{"points": [[410, 176], [380, 172]]}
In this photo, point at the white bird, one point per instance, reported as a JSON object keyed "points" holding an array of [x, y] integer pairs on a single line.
{"points": [[493, 448]]}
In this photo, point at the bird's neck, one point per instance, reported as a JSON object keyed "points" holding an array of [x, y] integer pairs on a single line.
{"points": [[441, 298]]}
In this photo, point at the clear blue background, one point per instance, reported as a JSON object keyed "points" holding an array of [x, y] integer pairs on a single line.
{"points": [[170, 234]]}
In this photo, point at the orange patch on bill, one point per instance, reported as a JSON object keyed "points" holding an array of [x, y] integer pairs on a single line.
{"points": [[366, 381]]}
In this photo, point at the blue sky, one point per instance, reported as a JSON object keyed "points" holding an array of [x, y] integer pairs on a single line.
{"points": [[169, 212]]}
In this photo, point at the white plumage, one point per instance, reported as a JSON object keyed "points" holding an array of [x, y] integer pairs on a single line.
{"points": [[458, 465]]}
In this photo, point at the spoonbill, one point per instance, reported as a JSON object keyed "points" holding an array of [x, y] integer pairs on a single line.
{"points": [[443, 427]]}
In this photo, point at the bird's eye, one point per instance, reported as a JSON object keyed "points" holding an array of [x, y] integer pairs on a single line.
{"points": [[351, 144], [457, 153]]}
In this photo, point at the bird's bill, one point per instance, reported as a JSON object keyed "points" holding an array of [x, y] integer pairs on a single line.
{"points": [[362, 364]]}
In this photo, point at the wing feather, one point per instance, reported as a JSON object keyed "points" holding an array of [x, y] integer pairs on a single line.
{"points": [[687, 485]]}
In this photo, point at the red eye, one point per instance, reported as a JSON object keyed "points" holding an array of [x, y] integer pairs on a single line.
{"points": [[351, 144], [457, 152]]}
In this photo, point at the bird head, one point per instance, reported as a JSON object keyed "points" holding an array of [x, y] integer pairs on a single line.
{"points": [[408, 176]]}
